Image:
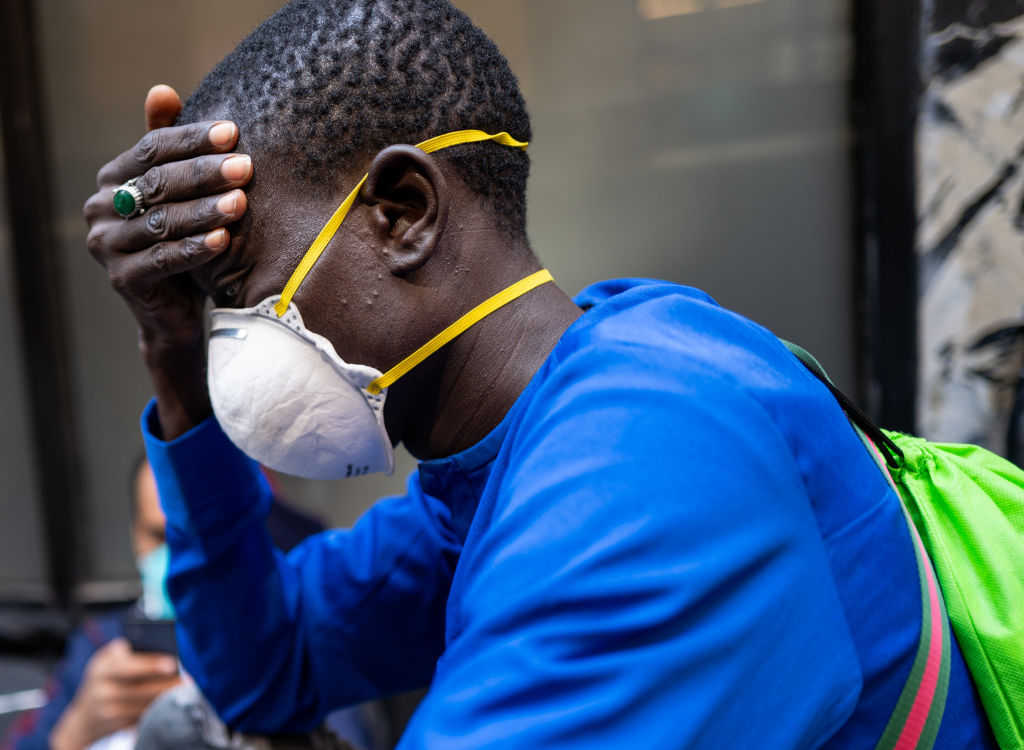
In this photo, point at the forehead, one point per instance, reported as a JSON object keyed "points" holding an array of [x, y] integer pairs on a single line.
{"points": [[284, 215], [264, 247]]}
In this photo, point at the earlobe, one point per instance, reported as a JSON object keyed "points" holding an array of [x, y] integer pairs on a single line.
{"points": [[409, 203]]}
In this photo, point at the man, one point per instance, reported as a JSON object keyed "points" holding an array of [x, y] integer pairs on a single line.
{"points": [[642, 524]]}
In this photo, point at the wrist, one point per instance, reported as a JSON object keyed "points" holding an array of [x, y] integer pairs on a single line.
{"points": [[160, 348], [178, 374], [70, 731]]}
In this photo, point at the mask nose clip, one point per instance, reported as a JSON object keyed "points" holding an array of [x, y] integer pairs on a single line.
{"points": [[229, 333]]}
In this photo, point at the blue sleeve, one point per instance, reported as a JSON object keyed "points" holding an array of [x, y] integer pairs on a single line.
{"points": [[277, 642], [651, 564]]}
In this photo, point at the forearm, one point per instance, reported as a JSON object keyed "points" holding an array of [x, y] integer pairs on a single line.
{"points": [[215, 500], [276, 642], [178, 374]]}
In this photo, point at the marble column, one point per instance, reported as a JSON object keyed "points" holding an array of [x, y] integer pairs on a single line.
{"points": [[971, 225]]}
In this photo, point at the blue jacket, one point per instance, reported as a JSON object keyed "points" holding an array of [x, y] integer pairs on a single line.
{"points": [[673, 539]]}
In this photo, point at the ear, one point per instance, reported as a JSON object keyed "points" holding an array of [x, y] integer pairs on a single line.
{"points": [[409, 202]]}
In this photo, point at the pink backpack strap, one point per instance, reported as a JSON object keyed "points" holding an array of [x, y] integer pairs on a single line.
{"points": [[914, 723]]}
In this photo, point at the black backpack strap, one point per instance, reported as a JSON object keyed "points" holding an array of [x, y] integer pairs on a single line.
{"points": [[892, 453]]}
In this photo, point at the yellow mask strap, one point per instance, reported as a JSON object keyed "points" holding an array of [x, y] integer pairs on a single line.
{"points": [[460, 326], [320, 243]]}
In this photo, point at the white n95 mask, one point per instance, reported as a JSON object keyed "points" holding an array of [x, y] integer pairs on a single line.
{"points": [[283, 395]]}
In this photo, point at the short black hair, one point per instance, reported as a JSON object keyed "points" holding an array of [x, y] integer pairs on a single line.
{"points": [[328, 83]]}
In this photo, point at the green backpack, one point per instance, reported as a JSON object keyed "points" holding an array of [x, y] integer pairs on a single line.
{"points": [[967, 506]]}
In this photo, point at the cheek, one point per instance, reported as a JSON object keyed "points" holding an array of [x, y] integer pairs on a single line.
{"points": [[266, 278], [143, 548], [144, 542], [341, 298]]}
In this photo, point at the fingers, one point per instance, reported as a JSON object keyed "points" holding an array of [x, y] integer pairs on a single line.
{"points": [[132, 694], [168, 145], [169, 183], [204, 175], [135, 275], [162, 107], [115, 704], [126, 666], [110, 239], [106, 658], [142, 691]]}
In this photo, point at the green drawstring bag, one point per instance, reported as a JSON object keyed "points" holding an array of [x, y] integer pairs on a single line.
{"points": [[967, 505]]}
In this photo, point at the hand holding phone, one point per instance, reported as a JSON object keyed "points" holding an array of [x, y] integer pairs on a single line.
{"points": [[118, 686]]}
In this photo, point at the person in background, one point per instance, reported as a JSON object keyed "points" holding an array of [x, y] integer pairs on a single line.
{"points": [[101, 687]]}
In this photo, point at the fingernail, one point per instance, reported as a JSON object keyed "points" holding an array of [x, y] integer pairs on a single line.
{"points": [[168, 665], [215, 239], [236, 167], [222, 133], [227, 204]]}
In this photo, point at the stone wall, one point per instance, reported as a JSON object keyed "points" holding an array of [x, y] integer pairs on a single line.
{"points": [[971, 230]]}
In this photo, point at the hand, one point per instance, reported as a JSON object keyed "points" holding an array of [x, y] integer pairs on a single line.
{"points": [[189, 184], [117, 688]]}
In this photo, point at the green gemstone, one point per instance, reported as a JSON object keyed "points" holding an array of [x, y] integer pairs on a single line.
{"points": [[124, 203]]}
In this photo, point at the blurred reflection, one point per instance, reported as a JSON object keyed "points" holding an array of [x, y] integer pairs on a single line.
{"points": [[709, 148], [653, 9]]}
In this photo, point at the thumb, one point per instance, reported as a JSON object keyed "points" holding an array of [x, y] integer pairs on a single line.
{"points": [[119, 649], [162, 107]]}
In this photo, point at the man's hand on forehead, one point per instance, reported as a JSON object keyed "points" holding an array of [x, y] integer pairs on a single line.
{"points": [[188, 183], [187, 186]]}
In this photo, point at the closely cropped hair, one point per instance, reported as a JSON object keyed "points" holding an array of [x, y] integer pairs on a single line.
{"points": [[328, 83]]}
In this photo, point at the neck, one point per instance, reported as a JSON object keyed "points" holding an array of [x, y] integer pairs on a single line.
{"points": [[487, 368]]}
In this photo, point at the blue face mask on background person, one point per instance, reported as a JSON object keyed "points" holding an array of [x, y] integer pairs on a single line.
{"points": [[152, 566]]}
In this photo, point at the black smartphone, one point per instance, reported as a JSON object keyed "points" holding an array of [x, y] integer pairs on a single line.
{"points": [[150, 636]]}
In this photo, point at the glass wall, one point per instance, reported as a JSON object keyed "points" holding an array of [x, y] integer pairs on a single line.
{"points": [[702, 141], [22, 555]]}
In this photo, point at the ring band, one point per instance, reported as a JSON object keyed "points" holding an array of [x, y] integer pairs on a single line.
{"points": [[128, 200]]}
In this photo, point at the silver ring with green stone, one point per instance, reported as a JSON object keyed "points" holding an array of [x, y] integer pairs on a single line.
{"points": [[128, 200]]}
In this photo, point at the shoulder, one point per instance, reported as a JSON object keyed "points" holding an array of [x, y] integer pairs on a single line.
{"points": [[649, 512], [703, 387], [642, 340], [658, 403]]}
